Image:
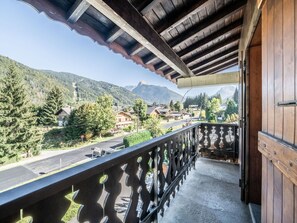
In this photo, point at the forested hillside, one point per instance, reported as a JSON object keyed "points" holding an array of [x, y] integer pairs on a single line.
{"points": [[39, 83]]}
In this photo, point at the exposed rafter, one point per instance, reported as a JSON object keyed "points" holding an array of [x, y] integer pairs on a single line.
{"points": [[213, 48], [173, 76], [114, 34], [211, 37], [161, 65], [220, 68], [77, 9], [217, 63], [178, 16], [198, 28], [149, 58], [231, 50], [143, 7], [124, 15]]}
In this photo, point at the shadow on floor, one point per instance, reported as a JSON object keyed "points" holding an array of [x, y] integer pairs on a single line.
{"points": [[209, 194]]}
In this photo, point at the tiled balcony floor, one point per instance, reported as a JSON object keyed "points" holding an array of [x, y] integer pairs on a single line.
{"points": [[210, 194]]}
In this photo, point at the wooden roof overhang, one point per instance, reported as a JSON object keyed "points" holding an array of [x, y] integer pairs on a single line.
{"points": [[173, 38]]}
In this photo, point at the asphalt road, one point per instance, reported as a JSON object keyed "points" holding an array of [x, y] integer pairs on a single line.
{"points": [[20, 174], [16, 175]]}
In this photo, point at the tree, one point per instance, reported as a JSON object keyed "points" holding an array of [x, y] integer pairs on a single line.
{"points": [[177, 106], [152, 124], [231, 107], [54, 102], [213, 108], [105, 116], [140, 108], [91, 119], [235, 96], [82, 121], [17, 122], [171, 105]]}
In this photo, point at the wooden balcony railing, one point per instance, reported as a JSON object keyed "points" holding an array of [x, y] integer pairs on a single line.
{"points": [[219, 141], [132, 185]]}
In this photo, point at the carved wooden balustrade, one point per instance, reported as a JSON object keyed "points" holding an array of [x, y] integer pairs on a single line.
{"points": [[219, 141], [132, 185]]}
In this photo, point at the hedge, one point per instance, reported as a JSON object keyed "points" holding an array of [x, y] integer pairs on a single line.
{"points": [[136, 138]]}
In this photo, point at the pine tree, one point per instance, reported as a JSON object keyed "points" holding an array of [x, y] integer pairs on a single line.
{"points": [[17, 122], [54, 102]]}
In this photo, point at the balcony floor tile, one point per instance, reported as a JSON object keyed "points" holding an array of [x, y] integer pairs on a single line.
{"points": [[210, 194]]}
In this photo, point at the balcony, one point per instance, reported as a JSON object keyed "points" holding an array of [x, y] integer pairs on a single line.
{"points": [[139, 183]]}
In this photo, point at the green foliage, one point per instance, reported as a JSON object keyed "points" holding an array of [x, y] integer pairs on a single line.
{"points": [[177, 106], [91, 119], [169, 130], [200, 100], [235, 96], [129, 128], [54, 102], [171, 105], [136, 138], [212, 110], [152, 124], [82, 121], [105, 118], [17, 122], [140, 108], [231, 107]]}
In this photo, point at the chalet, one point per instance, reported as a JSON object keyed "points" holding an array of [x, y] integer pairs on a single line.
{"points": [[191, 43], [153, 111], [123, 119], [62, 115]]}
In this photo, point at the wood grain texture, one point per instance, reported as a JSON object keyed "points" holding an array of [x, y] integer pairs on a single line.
{"points": [[270, 67], [278, 67], [255, 119], [270, 188], [288, 200], [277, 195], [264, 68], [264, 190], [283, 155], [289, 69]]}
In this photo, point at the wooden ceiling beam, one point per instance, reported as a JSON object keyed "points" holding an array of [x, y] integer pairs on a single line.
{"points": [[211, 37], [124, 15], [199, 27], [219, 45], [77, 10], [178, 16], [220, 68], [117, 32], [232, 50], [217, 63]]}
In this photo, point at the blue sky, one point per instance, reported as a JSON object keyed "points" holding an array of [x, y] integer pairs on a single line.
{"points": [[38, 42]]}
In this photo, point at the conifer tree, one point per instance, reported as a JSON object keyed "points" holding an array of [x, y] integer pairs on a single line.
{"points": [[54, 102], [17, 122]]}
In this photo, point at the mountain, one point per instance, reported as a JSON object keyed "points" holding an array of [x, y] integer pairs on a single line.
{"points": [[153, 93], [39, 83], [226, 92]]}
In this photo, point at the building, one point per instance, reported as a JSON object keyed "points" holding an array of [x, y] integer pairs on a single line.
{"points": [[189, 43], [123, 119], [63, 115], [152, 111]]}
